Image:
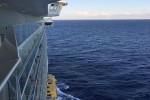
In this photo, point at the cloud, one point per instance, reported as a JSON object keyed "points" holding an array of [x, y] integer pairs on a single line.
{"points": [[89, 14], [105, 15], [84, 14], [132, 15], [101, 14], [128, 13]]}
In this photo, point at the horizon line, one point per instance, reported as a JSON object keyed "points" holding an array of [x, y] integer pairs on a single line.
{"points": [[102, 19]]}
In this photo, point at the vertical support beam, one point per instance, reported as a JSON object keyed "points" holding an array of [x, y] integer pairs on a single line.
{"points": [[9, 56], [18, 88]]}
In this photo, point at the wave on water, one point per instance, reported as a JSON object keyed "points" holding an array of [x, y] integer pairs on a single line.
{"points": [[62, 95]]}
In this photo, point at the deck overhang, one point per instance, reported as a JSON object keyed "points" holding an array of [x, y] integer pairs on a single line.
{"points": [[30, 7]]}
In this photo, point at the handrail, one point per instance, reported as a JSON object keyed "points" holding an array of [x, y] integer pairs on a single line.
{"points": [[8, 76], [34, 78], [23, 45], [37, 67], [40, 77], [36, 45], [36, 75]]}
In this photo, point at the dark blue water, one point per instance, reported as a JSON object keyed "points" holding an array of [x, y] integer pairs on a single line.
{"points": [[101, 60]]}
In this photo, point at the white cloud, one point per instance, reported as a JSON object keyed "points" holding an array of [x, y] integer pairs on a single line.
{"points": [[83, 13], [89, 14], [105, 15], [128, 13], [132, 15]]}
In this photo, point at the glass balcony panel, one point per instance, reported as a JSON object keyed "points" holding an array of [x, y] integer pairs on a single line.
{"points": [[29, 64], [23, 31]]}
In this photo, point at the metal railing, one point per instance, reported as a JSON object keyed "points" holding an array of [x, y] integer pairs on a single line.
{"points": [[23, 31], [28, 66]]}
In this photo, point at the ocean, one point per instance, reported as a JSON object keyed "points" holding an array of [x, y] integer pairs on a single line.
{"points": [[100, 59]]}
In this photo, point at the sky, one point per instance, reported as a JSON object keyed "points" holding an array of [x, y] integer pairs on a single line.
{"points": [[106, 9]]}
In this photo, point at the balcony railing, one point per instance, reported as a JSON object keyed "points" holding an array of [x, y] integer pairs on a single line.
{"points": [[23, 31], [25, 75]]}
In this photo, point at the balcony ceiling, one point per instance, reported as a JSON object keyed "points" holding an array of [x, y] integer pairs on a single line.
{"points": [[31, 7]]}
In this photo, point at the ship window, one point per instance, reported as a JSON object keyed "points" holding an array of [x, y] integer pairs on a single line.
{"points": [[49, 95], [52, 4], [55, 7], [58, 8], [52, 7]]}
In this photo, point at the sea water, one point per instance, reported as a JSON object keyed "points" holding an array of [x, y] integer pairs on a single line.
{"points": [[100, 59]]}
